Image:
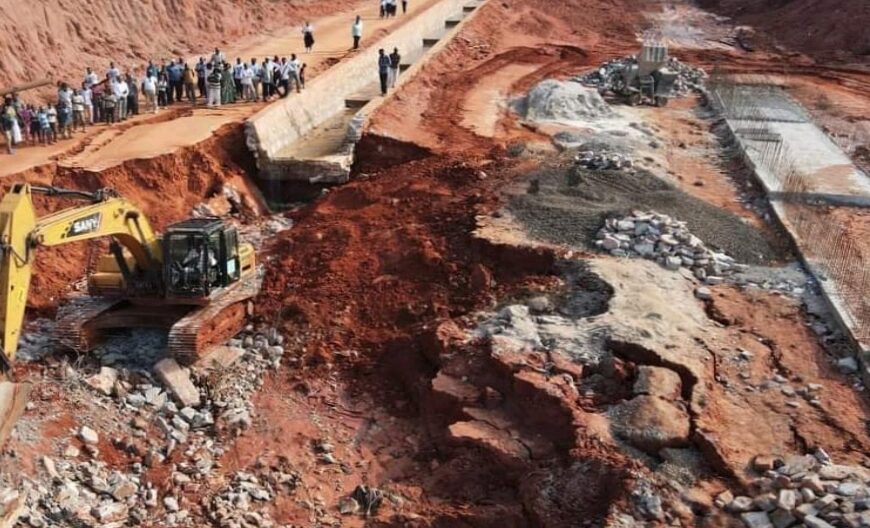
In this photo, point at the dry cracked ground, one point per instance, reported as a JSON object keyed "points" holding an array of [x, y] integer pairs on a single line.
{"points": [[530, 307]]}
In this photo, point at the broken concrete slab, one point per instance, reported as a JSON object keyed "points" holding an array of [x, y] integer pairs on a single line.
{"points": [[221, 356], [177, 380]]}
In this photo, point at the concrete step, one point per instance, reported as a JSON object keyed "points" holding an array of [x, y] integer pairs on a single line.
{"points": [[451, 23], [468, 8], [404, 67], [357, 101], [428, 42]]}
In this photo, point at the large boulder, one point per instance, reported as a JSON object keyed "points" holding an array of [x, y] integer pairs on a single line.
{"points": [[651, 423]]}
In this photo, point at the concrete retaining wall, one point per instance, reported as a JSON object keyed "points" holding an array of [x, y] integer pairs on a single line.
{"points": [[287, 120]]}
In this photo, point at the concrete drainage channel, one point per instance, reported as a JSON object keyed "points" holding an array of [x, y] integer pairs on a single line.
{"points": [[310, 138], [804, 173]]}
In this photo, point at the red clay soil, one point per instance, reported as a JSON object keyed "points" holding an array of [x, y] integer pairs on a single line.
{"points": [[824, 28], [568, 35], [166, 188], [57, 39]]}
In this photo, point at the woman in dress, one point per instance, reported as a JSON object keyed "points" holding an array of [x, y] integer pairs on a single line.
{"points": [[308, 36], [228, 85]]}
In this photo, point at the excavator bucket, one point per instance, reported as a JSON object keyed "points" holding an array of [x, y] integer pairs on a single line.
{"points": [[13, 398]]}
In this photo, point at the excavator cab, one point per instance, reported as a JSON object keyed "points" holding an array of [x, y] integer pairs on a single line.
{"points": [[201, 256]]}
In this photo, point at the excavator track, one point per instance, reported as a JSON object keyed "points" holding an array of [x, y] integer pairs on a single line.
{"points": [[192, 330], [213, 324], [74, 328]]}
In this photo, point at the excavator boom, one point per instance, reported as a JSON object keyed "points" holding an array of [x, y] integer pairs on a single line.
{"points": [[21, 233]]}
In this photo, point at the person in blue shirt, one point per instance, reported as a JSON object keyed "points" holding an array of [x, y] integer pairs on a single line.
{"points": [[175, 73], [383, 69]]}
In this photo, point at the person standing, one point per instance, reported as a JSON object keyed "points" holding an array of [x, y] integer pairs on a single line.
{"points": [[90, 78], [404, 6], [162, 90], [248, 84], [356, 31], [78, 108], [302, 74], [176, 82], [213, 80], [308, 36], [8, 122], [151, 70], [132, 95], [149, 88], [189, 80], [51, 112], [88, 102], [217, 59], [395, 62], [238, 68], [121, 91], [200, 76], [284, 72], [64, 95], [25, 116], [383, 69], [295, 66], [228, 86], [97, 93], [267, 76], [113, 73], [256, 76]]}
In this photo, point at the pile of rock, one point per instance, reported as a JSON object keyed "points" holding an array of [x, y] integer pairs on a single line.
{"points": [[161, 412], [235, 505], [658, 237], [602, 160], [804, 490], [689, 78]]}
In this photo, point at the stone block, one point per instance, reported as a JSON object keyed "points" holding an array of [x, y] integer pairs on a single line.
{"points": [[177, 380]]}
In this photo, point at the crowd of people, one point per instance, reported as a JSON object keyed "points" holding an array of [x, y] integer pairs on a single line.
{"points": [[116, 97]]}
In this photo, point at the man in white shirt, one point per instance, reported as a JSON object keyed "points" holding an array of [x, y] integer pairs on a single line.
{"points": [[293, 72], [121, 91], [149, 88], [256, 73], [88, 101], [356, 31], [113, 73], [217, 58], [90, 78]]}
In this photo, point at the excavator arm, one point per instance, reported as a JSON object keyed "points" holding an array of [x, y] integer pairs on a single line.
{"points": [[21, 232]]}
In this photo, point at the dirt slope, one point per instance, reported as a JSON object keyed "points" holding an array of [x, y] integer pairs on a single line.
{"points": [[828, 28], [56, 38]]}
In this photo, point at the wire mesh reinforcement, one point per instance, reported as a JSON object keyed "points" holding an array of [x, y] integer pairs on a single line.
{"points": [[825, 240]]}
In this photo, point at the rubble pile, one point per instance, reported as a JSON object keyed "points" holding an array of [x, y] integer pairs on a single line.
{"points": [[689, 78], [808, 490], [602, 160], [168, 415], [234, 506], [658, 237]]}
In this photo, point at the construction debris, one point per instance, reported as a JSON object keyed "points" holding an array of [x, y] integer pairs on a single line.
{"points": [[806, 489], [602, 160], [658, 237], [689, 78]]}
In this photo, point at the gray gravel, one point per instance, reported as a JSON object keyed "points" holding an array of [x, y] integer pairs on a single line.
{"points": [[573, 214]]}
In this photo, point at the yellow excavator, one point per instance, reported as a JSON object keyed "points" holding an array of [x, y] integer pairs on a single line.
{"points": [[195, 279]]}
